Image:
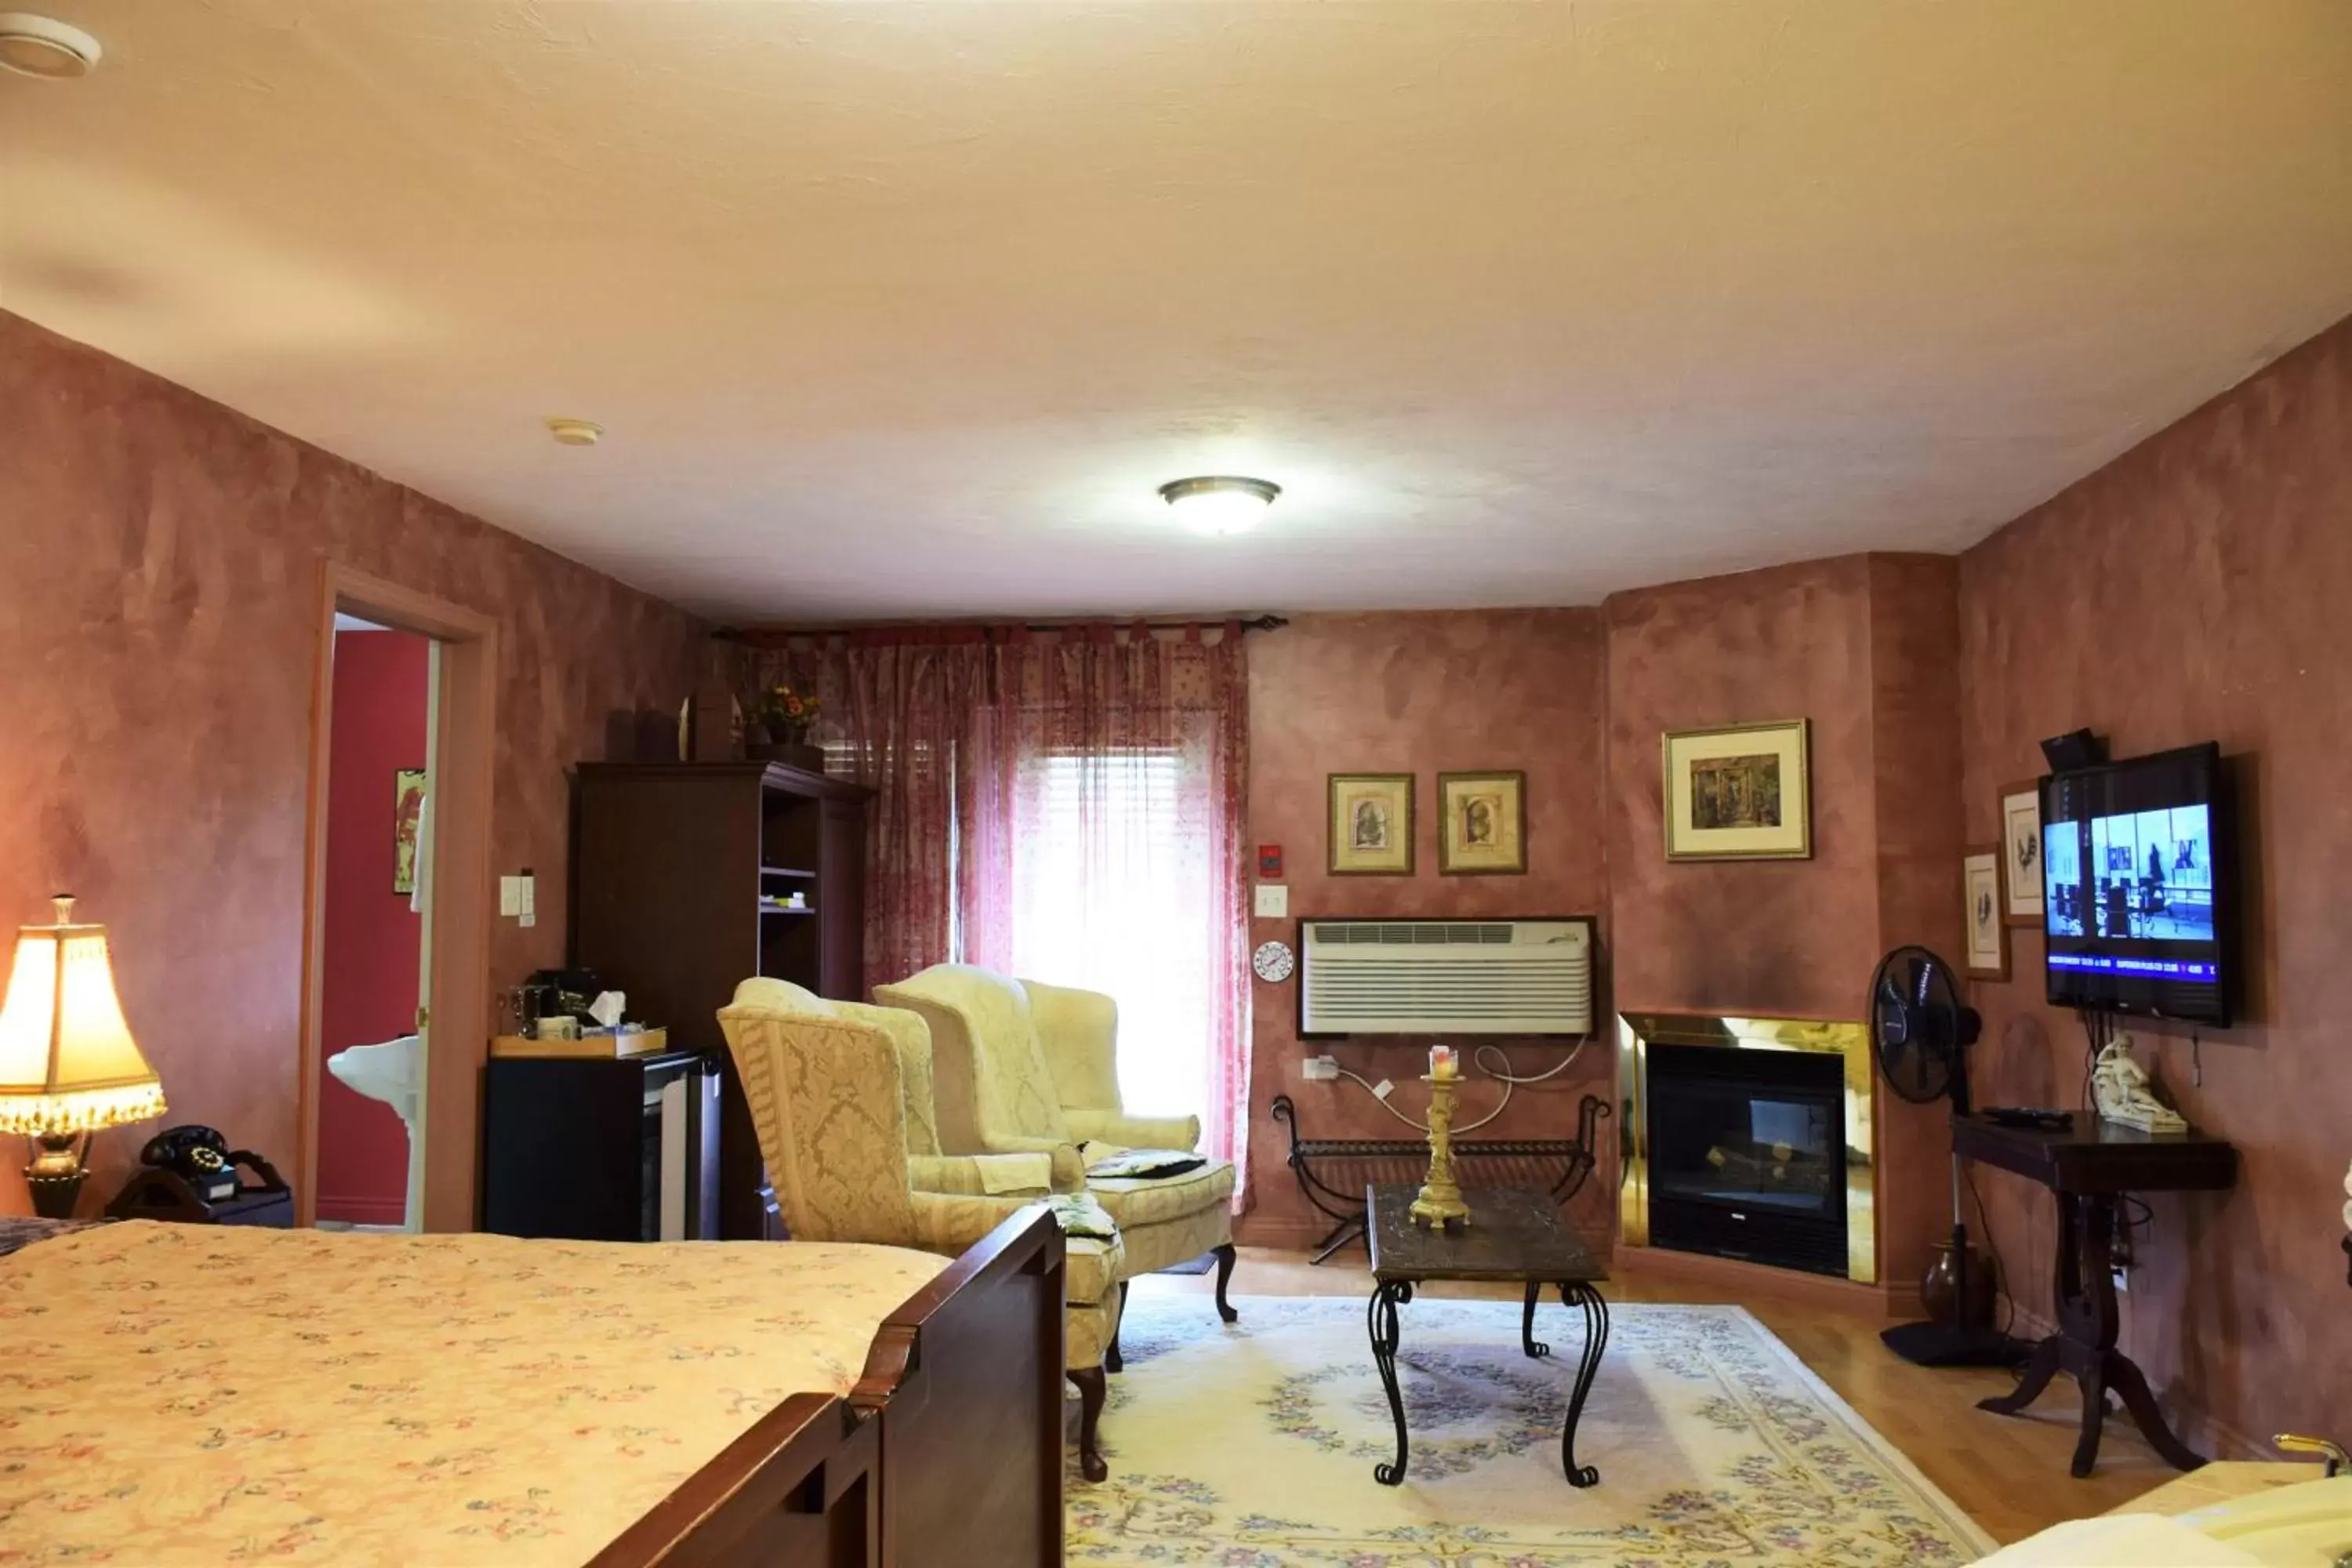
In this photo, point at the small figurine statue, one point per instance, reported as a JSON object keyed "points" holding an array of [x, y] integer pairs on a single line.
{"points": [[2120, 1086]]}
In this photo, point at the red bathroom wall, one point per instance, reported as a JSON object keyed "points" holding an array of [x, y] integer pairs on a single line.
{"points": [[373, 941]]}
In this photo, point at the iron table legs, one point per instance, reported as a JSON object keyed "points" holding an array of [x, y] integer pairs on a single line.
{"points": [[1596, 1339], [1381, 1325], [1382, 1321], [1533, 1346]]}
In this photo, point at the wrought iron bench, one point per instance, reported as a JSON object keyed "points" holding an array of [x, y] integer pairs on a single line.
{"points": [[1407, 1158]]}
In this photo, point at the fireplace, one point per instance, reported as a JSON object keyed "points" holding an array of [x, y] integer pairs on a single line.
{"points": [[1748, 1155], [1749, 1139]]}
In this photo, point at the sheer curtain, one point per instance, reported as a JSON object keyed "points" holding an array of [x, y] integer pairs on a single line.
{"points": [[1110, 850], [1066, 807]]}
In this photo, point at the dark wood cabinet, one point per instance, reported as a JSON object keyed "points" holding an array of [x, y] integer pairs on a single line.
{"points": [[682, 886]]}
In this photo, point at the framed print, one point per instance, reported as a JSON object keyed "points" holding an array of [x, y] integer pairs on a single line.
{"points": [[407, 812], [2021, 839], [1482, 824], [1372, 825], [1986, 926], [1741, 792]]}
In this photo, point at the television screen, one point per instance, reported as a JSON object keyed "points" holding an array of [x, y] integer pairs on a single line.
{"points": [[2136, 890]]}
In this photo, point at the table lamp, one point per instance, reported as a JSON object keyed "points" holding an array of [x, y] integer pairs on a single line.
{"points": [[68, 1063]]}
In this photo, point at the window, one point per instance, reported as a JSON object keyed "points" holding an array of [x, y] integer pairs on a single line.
{"points": [[1112, 891]]}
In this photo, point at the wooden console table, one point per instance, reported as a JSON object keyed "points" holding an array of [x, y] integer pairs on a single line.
{"points": [[1408, 1158], [2089, 1168]]}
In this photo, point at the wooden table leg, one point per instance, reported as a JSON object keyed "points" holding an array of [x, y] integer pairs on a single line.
{"points": [[2084, 1291]]}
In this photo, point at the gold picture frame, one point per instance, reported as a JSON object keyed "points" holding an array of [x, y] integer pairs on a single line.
{"points": [[1482, 823], [1370, 825], [1738, 791], [408, 818], [1984, 913], [2020, 808]]}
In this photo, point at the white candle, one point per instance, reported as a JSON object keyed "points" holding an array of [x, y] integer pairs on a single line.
{"points": [[1440, 1061]]}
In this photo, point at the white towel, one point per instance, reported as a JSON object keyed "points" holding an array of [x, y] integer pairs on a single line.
{"points": [[1002, 1173]]}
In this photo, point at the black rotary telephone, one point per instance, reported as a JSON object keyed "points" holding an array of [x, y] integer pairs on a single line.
{"points": [[198, 1156]]}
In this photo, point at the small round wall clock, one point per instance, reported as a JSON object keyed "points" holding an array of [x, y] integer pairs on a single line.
{"points": [[1273, 963]]}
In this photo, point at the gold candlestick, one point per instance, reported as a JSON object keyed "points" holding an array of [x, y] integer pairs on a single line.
{"points": [[1440, 1202]]}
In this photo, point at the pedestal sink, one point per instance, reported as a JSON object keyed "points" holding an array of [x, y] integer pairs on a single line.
{"points": [[394, 1072]]}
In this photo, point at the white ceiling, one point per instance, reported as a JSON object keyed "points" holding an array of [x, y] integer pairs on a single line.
{"points": [[894, 310]]}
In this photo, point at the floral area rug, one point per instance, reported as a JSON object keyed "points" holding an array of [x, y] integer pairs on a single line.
{"points": [[1253, 1446]]}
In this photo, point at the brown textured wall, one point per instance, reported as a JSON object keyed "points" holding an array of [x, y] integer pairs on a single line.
{"points": [[159, 569], [1773, 937], [2196, 589], [1916, 826], [1865, 647], [1420, 693]]}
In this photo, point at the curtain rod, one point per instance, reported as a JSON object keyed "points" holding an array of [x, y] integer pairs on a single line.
{"points": [[758, 634]]}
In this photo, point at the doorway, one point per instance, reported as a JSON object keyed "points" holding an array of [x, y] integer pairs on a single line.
{"points": [[378, 889], [395, 954]]}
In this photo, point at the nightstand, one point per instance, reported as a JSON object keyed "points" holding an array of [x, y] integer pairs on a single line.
{"points": [[158, 1192]]}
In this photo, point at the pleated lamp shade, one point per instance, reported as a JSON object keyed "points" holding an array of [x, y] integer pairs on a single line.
{"points": [[68, 1063]]}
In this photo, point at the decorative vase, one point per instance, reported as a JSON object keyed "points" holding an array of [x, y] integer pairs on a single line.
{"points": [[764, 743], [1940, 1288]]}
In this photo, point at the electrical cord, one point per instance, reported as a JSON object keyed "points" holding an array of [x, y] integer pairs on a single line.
{"points": [[1508, 1078], [1992, 1251]]}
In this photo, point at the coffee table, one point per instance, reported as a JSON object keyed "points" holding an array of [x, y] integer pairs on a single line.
{"points": [[1513, 1233]]}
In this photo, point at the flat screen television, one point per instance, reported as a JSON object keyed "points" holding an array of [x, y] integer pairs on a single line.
{"points": [[2138, 868]]}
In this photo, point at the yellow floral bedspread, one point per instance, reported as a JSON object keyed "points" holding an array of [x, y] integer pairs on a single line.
{"points": [[183, 1394]]}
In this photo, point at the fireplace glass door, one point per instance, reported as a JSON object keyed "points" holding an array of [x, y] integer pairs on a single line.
{"points": [[1748, 1154]]}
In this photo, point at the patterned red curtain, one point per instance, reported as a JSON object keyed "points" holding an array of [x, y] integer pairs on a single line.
{"points": [[1068, 806], [901, 713]]}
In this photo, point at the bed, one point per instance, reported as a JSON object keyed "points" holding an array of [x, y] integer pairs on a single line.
{"points": [[182, 1395]]}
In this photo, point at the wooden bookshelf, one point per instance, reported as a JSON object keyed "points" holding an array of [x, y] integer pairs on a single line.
{"points": [[672, 865]]}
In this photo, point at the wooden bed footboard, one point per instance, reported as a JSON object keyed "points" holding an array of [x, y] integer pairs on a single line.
{"points": [[968, 1375], [947, 1452]]}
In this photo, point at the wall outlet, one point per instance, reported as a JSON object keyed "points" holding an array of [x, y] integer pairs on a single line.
{"points": [[1383, 1088], [1321, 1070]]}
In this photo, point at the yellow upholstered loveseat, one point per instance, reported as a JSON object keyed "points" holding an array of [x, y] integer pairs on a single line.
{"points": [[841, 1095], [1021, 1064]]}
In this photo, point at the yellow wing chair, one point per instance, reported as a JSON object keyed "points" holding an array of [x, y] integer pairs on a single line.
{"points": [[840, 1093], [1020, 1063]]}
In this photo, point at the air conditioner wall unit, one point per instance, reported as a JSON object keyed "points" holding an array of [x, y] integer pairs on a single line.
{"points": [[1445, 977]]}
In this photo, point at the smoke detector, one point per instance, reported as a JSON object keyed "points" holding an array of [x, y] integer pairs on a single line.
{"points": [[45, 46], [575, 432]]}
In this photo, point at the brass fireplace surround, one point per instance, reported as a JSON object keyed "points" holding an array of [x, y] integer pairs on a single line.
{"points": [[1635, 1031]]}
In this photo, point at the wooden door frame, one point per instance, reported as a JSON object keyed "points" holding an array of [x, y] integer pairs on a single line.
{"points": [[458, 993]]}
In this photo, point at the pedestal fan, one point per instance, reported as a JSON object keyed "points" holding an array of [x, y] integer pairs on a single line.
{"points": [[1920, 1034]]}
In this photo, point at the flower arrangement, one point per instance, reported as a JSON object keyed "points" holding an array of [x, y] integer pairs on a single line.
{"points": [[787, 713]]}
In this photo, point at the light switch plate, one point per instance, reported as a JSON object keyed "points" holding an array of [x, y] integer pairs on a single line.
{"points": [[1273, 901], [510, 896]]}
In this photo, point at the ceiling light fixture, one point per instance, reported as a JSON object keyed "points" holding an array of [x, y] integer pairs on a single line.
{"points": [[1220, 503], [45, 46], [574, 432]]}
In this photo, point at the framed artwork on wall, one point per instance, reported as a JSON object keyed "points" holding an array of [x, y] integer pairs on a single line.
{"points": [[1987, 925], [1483, 824], [407, 813], [2020, 840], [1372, 825], [1742, 792]]}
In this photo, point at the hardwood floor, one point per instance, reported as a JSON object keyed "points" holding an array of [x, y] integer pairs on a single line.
{"points": [[2009, 1473]]}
